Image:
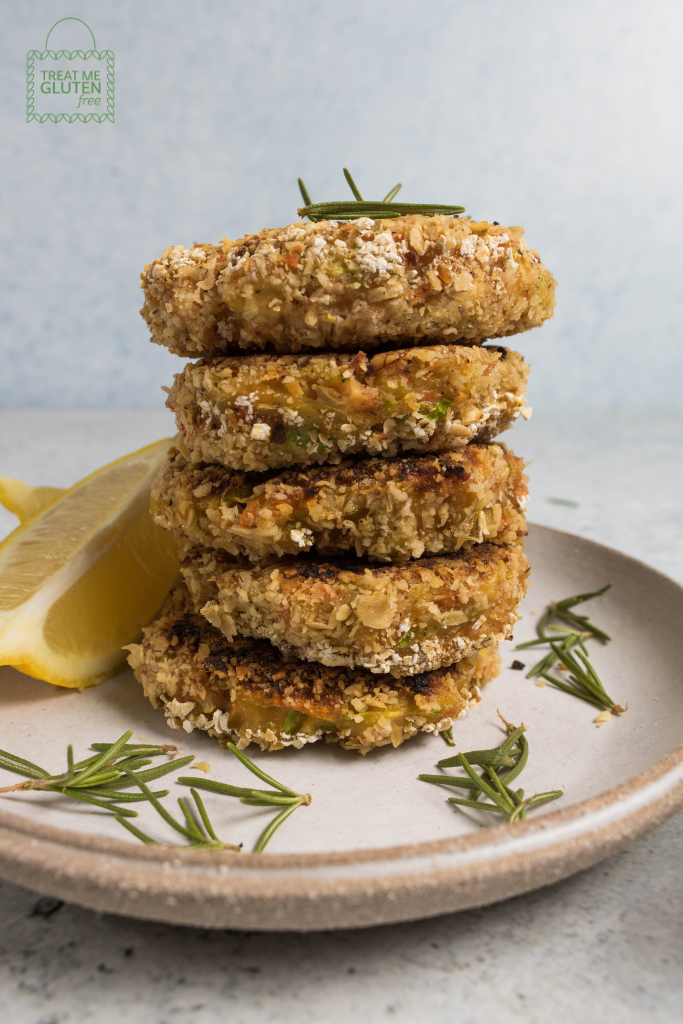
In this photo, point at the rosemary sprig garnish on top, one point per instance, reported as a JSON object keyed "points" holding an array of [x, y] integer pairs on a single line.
{"points": [[583, 680], [510, 759], [375, 209], [278, 796]]}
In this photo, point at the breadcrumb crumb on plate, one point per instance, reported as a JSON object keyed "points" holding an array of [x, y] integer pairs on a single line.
{"points": [[247, 691], [339, 286]]}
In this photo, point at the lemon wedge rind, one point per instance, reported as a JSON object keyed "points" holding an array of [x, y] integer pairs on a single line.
{"points": [[25, 501]]}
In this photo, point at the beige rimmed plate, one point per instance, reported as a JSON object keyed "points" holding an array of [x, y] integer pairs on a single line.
{"points": [[376, 845]]}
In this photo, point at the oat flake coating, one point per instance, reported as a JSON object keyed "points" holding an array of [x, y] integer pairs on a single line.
{"points": [[247, 691], [361, 284], [387, 510], [402, 619], [269, 412], [199, 568]]}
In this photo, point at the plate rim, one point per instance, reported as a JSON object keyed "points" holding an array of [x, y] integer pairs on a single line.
{"points": [[24, 841]]}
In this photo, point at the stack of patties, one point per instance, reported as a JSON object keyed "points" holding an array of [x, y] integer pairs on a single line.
{"points": [[354, 533]]}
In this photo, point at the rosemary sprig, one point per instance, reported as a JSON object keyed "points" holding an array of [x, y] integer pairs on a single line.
{"points": [[98, 779], [101, 779], [200, 833], [278, 796], [375, 209], [511, 755], [562, 610], [583, 681]]}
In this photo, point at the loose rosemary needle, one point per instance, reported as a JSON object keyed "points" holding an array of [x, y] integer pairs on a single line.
{"points": [[568, 649], [447, 736], [375, 209], [510, 759], [279, 796]]}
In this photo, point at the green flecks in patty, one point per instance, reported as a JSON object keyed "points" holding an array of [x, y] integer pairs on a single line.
{"points": [[299, 437], [293, 721], [407, 638], [439, 410]]}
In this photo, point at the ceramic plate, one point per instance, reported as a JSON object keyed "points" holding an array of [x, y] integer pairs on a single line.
{"points": [[376, 845]]}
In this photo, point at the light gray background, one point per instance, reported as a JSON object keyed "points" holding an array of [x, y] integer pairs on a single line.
{"points": [[560, 116]]}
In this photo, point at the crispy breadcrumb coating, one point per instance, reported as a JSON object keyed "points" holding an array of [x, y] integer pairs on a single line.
{"points": [[270, 412], [388, 510], [402, 619], [360, 284], [199, 568], [246, 690]]}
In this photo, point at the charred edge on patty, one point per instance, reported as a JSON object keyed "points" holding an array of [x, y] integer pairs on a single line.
{"points": [[401, 619], [247, 691]]}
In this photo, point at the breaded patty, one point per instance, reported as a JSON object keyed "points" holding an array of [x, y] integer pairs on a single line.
{"points": [[402, 619], [388, 510], [246, 691], [270, 412], [362, 284]]}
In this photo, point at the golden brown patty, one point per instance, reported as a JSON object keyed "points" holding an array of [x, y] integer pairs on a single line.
{"points": [[362, 284], [270, 412], [385, 509], [402, 619], [247, 691]]}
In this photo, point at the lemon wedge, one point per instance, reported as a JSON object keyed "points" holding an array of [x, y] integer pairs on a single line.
{"points": [[84, 572]]}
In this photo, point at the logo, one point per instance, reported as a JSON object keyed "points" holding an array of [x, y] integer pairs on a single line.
{"points": [[70, 85]]}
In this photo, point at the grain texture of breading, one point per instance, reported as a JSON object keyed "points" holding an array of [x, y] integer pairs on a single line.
{"points": [[387, 510], [403, 619], [269, 412], [361, 284], [246, 691], [199, 568]]}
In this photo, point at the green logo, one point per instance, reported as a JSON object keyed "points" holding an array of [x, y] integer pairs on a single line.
{"points": [[70, 85]]}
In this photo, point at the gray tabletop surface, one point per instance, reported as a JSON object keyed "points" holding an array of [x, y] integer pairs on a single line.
{"points": [[604, 946]]}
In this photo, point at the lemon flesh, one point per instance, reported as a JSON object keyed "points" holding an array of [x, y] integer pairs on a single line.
{"points": [[84, 573]]}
